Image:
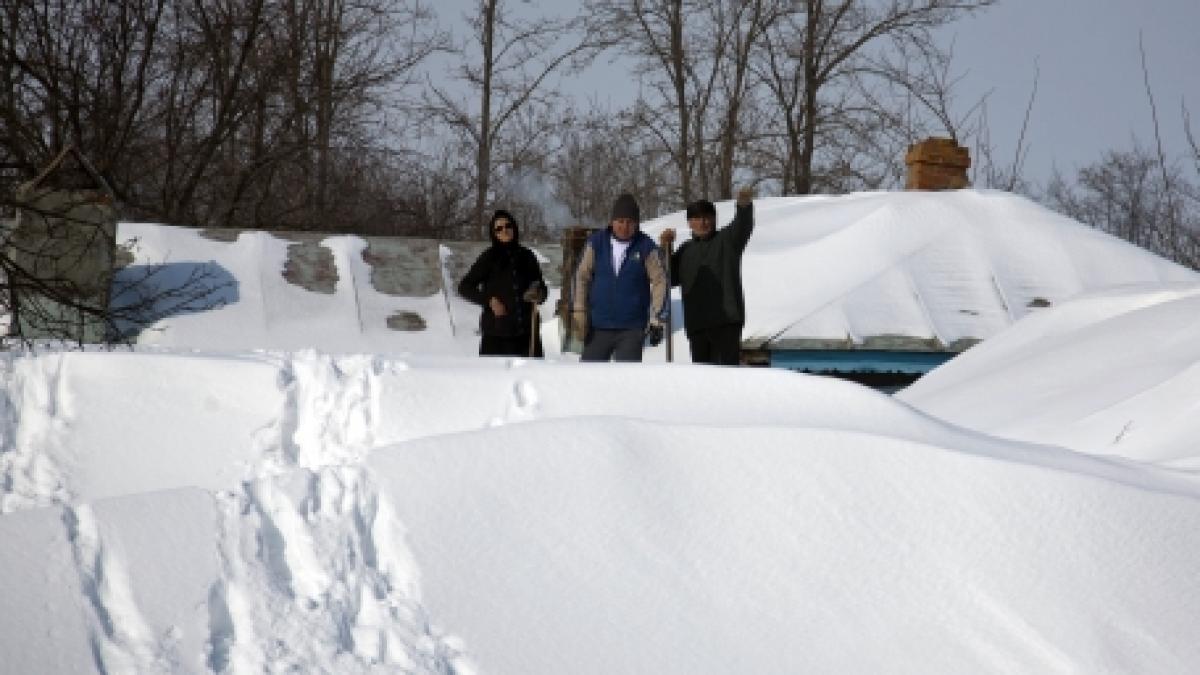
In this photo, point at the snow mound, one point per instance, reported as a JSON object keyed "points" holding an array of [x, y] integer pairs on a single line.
{"points": [[604, 546], [197, 512], [219, 519], [1106, 374]]}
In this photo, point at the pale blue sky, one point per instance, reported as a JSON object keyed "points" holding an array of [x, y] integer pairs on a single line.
{"points": [[1091, 96]]}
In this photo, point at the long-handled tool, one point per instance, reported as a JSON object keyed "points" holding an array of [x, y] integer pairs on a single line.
{"points": [[667, 265], [533, 331], [534, 295]]}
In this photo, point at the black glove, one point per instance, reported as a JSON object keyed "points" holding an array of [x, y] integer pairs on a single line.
{"points": [[655, 333]]}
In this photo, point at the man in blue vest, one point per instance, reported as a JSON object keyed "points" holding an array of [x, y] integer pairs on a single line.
{"points": [[620, 289]]}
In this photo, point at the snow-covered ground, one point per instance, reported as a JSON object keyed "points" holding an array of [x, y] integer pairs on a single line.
{"points": [[1032, 506]]}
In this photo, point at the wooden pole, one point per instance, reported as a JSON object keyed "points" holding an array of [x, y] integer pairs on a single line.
{"points": [[670, 340], [533, 328]]}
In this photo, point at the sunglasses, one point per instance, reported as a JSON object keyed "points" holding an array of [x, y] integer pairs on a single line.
{"points": [[502, 227]]}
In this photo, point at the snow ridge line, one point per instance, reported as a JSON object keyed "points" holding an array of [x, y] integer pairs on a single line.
{"points": [[315, 574], [31, 431], [121, 640]]}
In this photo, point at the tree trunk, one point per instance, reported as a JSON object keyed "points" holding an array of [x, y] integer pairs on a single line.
{"points": [[808, 139], [683, 156], [483, 158], [328, 31]]}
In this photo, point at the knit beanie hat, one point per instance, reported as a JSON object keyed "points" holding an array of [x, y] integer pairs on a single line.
{"points": [[626, 207]]}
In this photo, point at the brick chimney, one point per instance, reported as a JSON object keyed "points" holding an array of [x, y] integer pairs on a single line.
{"points": [[937, 164]]}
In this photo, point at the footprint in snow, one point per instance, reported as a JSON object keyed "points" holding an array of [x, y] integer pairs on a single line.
{"points": [[521, 406], [525, 397]]}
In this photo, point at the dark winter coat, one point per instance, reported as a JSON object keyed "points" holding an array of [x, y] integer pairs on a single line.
{"points": [[504, 271], [710, 272]]}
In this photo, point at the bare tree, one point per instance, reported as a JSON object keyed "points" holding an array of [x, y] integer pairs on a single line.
{"points": [[924, 71], [1128, 195], [505, 66], [1171, 221], [214, 112], [679, 54], [75, 73], [1191, 137], [348, 58], [1192, 208], [748, 23], [826, 43], [603, 153], [1141, 195]]}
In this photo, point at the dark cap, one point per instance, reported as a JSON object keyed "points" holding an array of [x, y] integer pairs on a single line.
{"points": [[701, 208], [626, 207]]}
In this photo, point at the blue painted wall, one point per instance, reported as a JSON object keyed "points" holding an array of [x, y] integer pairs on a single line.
{"points": [[859, 361]]}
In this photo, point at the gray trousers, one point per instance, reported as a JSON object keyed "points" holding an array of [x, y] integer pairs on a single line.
{"points": [[617, 345]]}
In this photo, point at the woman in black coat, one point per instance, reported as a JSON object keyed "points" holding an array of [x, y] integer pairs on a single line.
{"points": [[507, 282]]}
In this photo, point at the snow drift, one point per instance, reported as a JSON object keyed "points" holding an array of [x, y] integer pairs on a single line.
{"points": [[1109, 374], [274, 511], [232, 500]]}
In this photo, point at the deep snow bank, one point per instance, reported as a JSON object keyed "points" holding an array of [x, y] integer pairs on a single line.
{"points": [[605, 546], [196, 513], [242, 512]]}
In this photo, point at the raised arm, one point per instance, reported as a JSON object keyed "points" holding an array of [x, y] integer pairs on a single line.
{"points": [[742, 225]]}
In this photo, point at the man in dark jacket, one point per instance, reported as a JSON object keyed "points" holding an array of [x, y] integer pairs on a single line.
{"points": [[709, 269], [620, 289], [506, 281]]}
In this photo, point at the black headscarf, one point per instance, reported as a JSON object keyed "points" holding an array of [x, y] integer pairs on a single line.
{"points": [[501, 213]]}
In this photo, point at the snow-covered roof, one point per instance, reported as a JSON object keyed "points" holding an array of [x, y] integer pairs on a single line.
{"points": [[923, 271], [918, 270], [288, 290]]}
